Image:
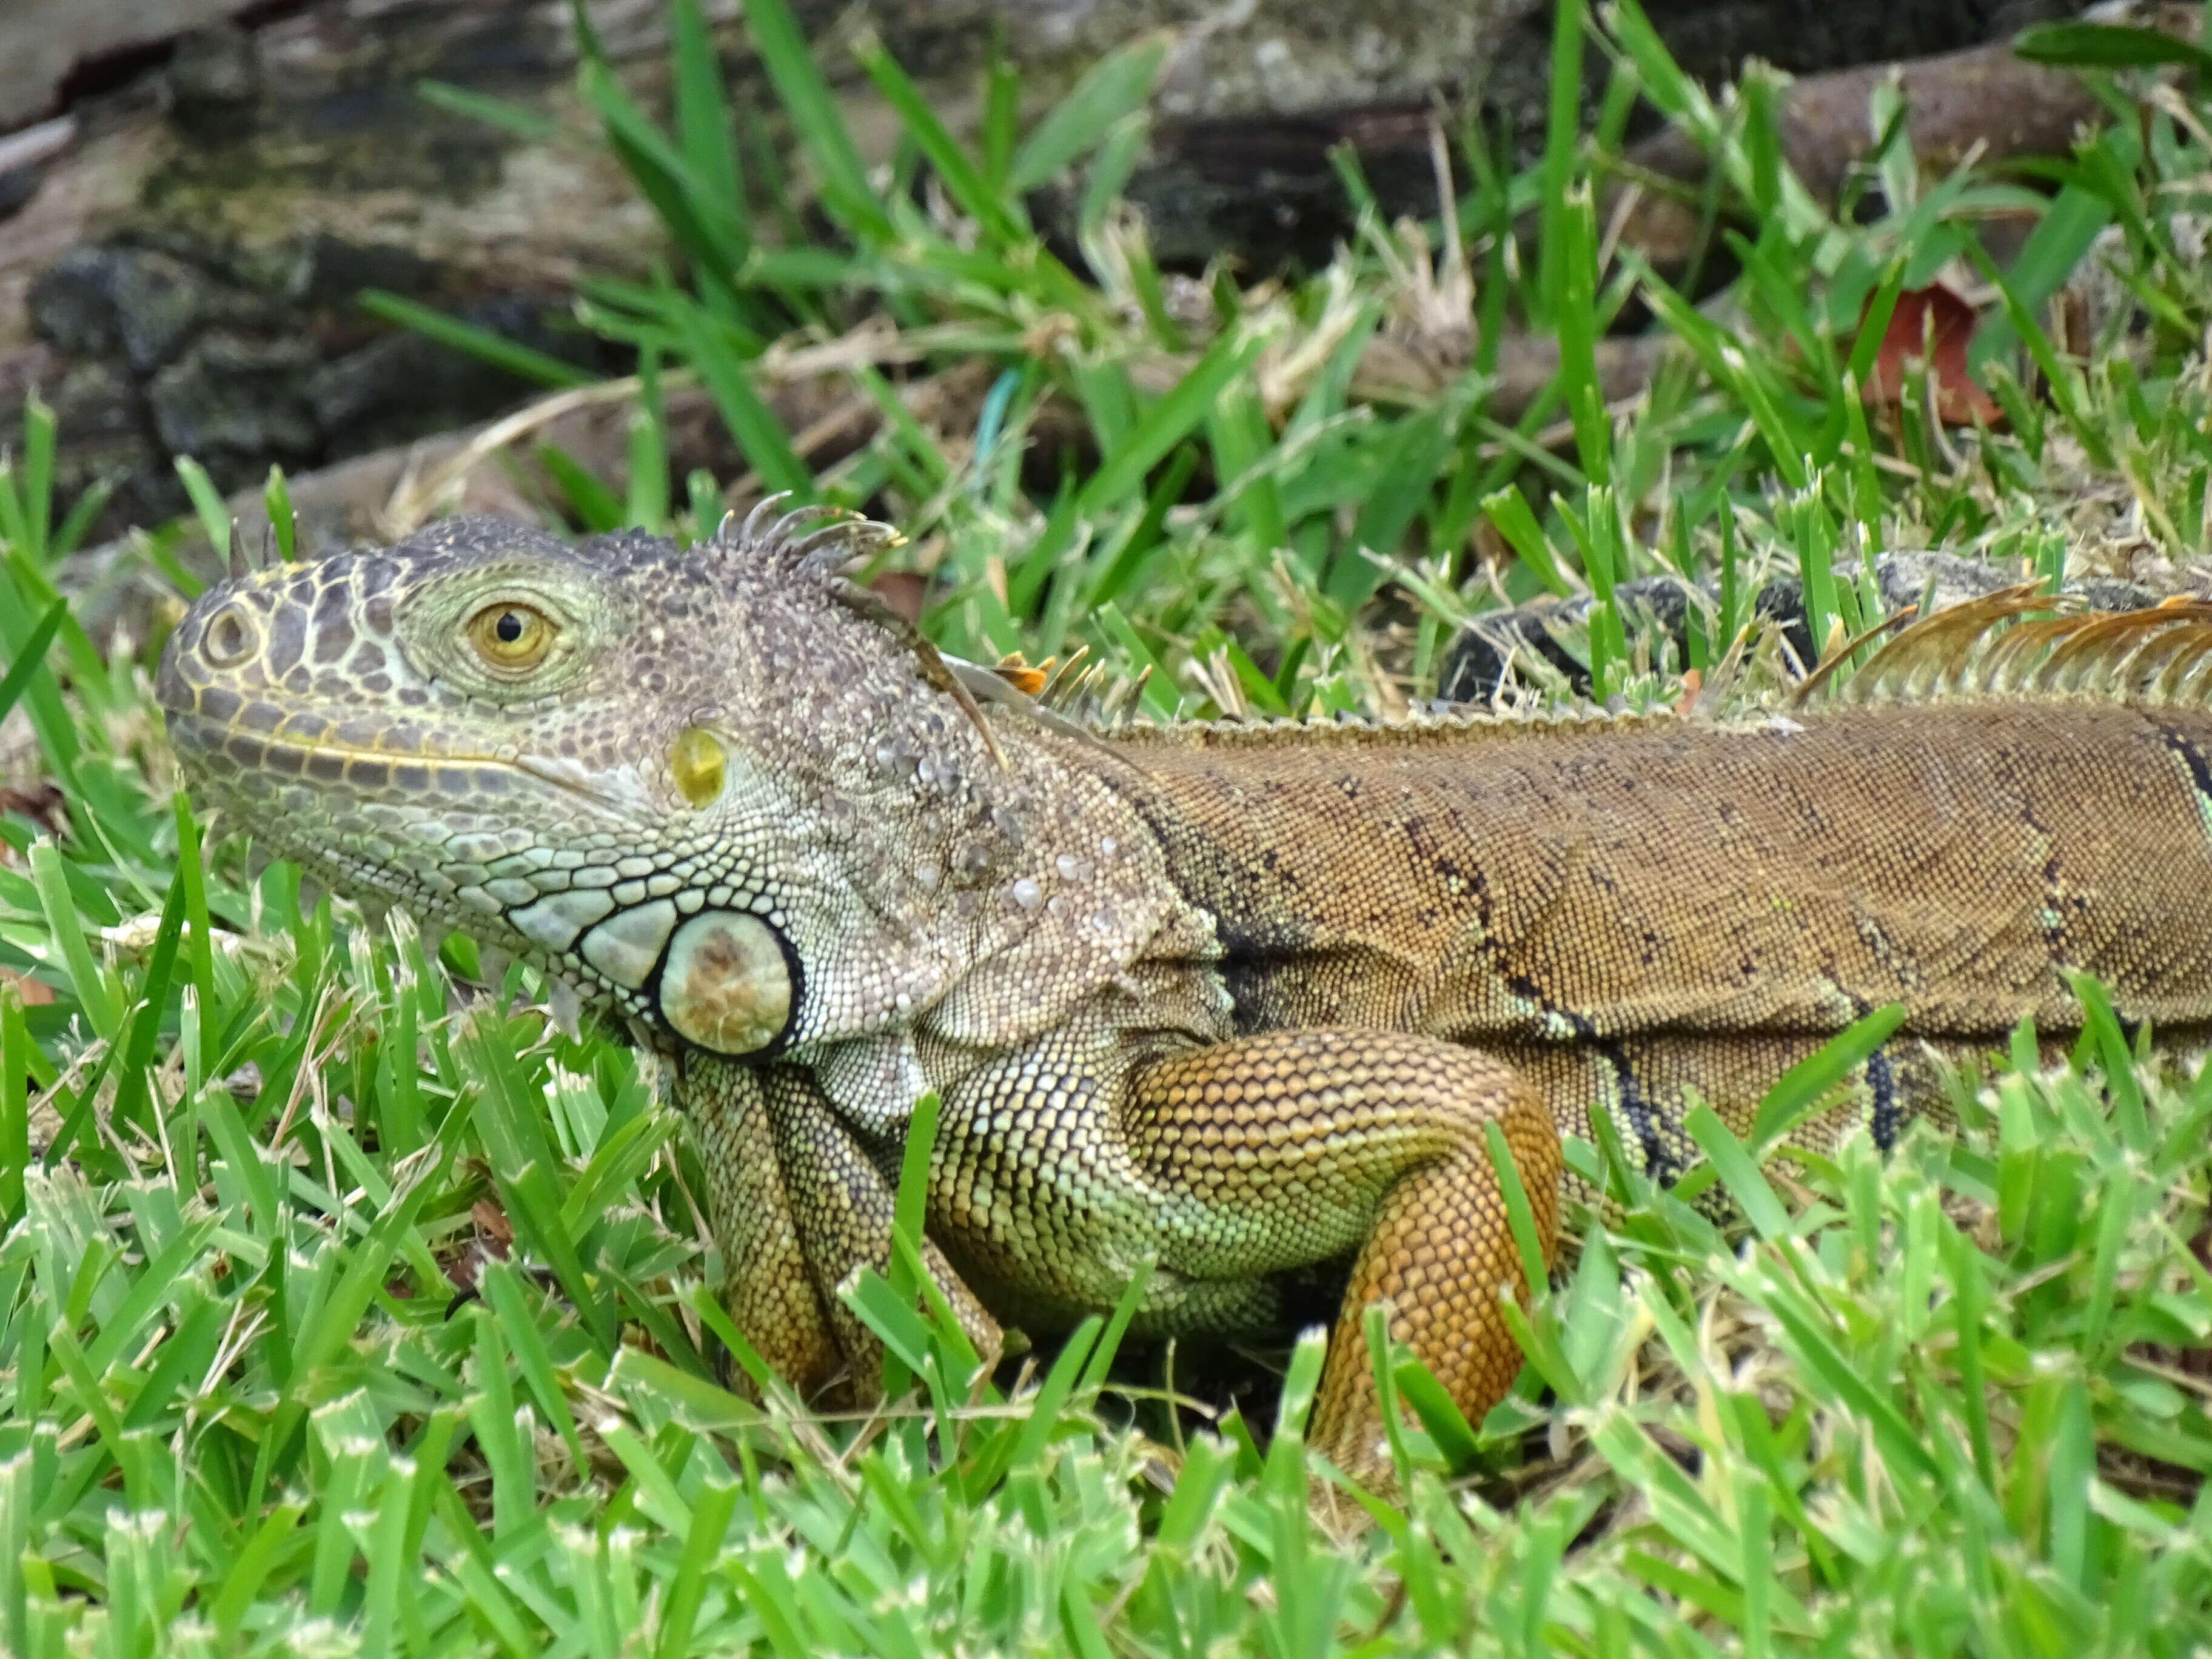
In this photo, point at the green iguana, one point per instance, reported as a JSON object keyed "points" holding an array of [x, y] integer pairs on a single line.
{"points": [[1236, 1001]]}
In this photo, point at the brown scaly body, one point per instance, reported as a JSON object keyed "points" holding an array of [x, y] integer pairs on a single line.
{"points": [[1617, 907], [1232, 1005]]}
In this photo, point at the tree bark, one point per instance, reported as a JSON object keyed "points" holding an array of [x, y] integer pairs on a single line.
{"points": [[186, 230]]}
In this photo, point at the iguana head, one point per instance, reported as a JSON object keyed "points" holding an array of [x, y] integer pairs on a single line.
{"points": [[717, 787]]}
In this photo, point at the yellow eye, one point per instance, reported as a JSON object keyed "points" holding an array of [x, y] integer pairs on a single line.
{"points": [[511, 637]]}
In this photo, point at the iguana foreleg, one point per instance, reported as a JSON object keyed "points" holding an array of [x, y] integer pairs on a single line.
{"points": [[1279, 1132], [1238, 1167], [766, 1290], [801, 1205]]}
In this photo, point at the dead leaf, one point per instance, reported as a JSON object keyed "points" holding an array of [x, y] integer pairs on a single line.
{"points": [[903, 591], [35, 993], [1017, 672], [495, 1236], [40, 801], [1932, 326], [1692, 683], [493, 1222]]}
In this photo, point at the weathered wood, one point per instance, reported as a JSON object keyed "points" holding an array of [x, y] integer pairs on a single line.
{"points": [[44, 42], [180, 250], [183, 279]]}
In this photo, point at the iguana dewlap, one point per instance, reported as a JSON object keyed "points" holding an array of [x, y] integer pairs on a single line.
{"points": [[1237, 1001]]}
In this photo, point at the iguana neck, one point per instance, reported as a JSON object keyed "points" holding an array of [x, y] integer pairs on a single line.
{"points": [[1043, 882]]}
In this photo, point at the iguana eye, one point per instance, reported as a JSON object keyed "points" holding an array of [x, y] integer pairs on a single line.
{"points": [[511, 637]]}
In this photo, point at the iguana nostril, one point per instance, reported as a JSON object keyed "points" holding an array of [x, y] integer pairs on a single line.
{"points": [[230, 637]]}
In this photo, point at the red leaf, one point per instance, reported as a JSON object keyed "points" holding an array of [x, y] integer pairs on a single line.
{"points": [[1932, 326]]}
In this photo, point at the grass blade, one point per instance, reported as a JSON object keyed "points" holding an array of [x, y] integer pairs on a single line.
{"points": [[1109, 92]]}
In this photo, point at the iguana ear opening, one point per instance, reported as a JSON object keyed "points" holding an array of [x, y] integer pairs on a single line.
{"points": [[730, 983]]}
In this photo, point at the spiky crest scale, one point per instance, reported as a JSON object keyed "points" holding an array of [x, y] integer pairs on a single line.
{"points": [[821, 555], [822, 551], [1998, 647], [242, 559]]}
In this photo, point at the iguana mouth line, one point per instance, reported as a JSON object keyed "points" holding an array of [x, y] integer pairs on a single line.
{"points": [[370, 769]]}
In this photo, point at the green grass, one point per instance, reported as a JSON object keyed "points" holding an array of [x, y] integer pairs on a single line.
{"points": [[254, 1148]]}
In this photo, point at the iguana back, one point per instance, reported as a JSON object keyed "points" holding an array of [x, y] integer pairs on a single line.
{"points": [[1620, 907], [1603, 878]]}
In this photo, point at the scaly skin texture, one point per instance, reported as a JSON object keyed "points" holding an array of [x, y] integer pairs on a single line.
{"points": [[1238, 1003]]}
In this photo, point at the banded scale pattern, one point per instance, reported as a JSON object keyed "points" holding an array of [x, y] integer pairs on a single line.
{"points": [[1228, 1173]]}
